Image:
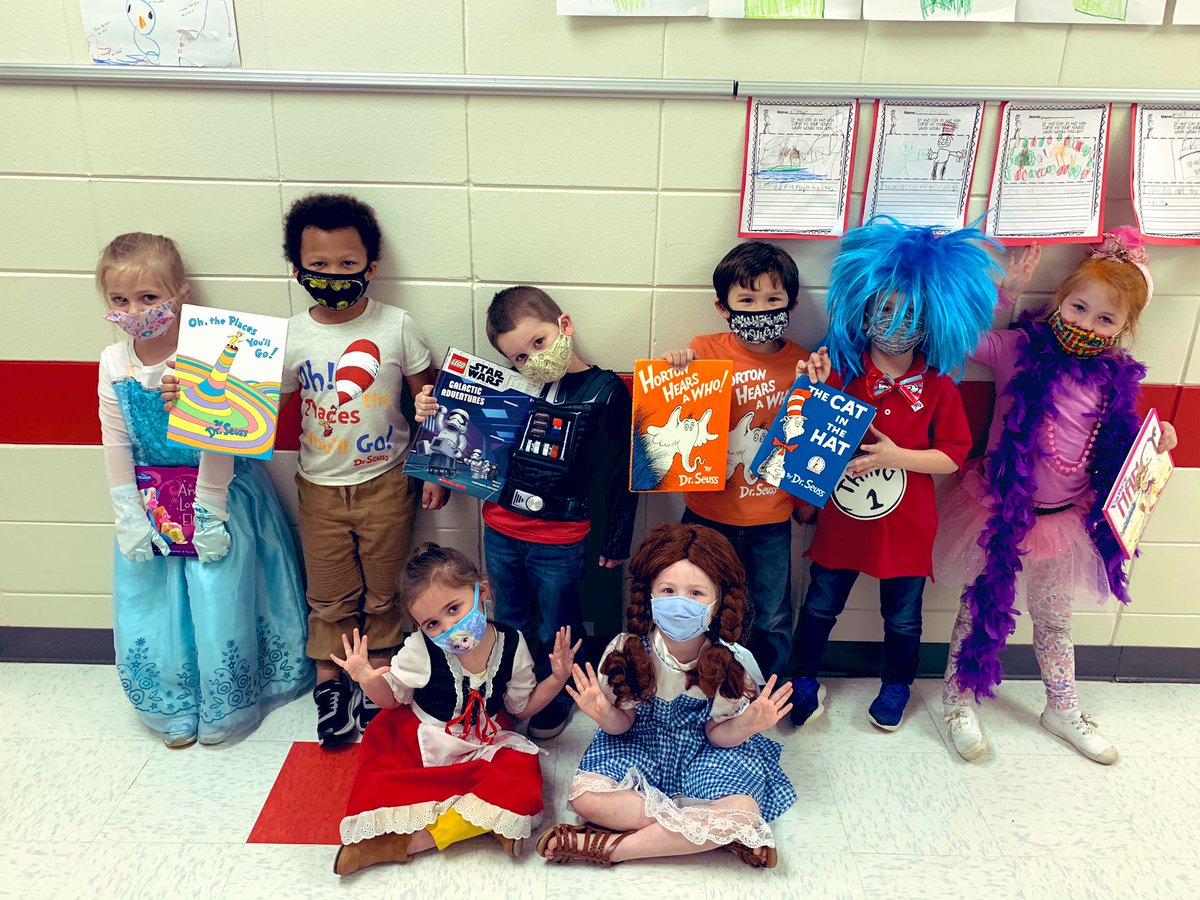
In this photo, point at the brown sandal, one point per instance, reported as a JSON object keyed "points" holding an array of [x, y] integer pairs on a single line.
{"points": [[382, 848], [752, 859], [585, 842], [512, 846]]}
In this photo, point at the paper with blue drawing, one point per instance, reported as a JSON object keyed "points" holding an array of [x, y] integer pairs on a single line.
{"points": [[171, 33], [812, 440]]}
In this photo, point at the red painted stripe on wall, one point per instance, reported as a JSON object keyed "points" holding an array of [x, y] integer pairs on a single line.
{"points": [[69, 416]]}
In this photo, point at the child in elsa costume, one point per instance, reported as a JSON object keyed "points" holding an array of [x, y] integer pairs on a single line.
{"points": [[1025, 526]]}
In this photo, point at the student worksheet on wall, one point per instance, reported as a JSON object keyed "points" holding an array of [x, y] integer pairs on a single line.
{"points": [[1187, 12], [185, 33], [796, 172], [1166, 171], [941, 10], [922, 157], [632, 7], [1093, 12], [1048, 176], [785, 9]]}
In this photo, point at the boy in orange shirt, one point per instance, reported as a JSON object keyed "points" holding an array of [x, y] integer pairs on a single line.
{"points": [[756, 286]]}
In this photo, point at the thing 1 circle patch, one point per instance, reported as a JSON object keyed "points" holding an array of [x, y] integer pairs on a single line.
{"points": [[871, 496]]}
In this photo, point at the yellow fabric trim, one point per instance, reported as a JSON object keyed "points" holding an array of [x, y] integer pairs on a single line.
{"points": [[450, 828]]}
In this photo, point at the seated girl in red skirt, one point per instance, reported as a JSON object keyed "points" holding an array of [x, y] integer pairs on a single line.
{"points": [[440, 763]]}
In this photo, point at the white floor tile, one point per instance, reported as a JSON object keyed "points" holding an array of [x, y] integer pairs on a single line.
{"points": [[64, 790], [298, 872], [813, 824], [845, 726], [198, 794], [138, 870], [798, 875], [913, 803], [895, 877], [1100, 878], [38, 869]]}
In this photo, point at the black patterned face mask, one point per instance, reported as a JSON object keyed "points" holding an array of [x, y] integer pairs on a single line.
{"points": [[759, 327], [333, 291]]}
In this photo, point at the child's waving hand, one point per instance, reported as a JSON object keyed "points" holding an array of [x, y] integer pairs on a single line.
{"points": [[562, 659], [817, 367], [356, 664], [1020, 270], [768, 707], [588, 695]]}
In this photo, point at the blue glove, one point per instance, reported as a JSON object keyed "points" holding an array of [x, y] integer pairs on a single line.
{"points": [[210, 538], [136, 536]]}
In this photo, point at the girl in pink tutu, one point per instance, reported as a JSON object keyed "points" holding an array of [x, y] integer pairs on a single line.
{"points": [[1023, 526]]}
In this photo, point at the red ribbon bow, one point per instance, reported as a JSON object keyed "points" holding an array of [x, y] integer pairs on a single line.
{"points": [[788, 448], [879, 383], [474, 715]]}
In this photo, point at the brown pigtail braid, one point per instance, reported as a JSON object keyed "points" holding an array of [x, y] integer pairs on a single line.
{"points": [[629, 671]]}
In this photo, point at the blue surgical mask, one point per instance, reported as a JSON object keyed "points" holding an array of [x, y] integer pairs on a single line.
{"points": [[465, 635], [680, 618]]}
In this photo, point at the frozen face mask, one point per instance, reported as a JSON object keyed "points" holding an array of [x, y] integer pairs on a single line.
{"points": [[680, 618], [759, 327], [905, 337], [335, 292], [550, 364], [149, 323], [465, 635], [1078, 341]]}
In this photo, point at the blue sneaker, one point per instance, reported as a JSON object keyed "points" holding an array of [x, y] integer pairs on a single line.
{"points": [[808, 700], [888, 708]]}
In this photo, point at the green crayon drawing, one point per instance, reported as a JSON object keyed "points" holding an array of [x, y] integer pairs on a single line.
{"points": [[629, 6], [1063, 158], [957, 7], [785, 9], [1103, 9]]}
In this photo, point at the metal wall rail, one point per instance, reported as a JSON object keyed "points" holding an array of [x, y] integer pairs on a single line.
{"points": [[559, 86]]}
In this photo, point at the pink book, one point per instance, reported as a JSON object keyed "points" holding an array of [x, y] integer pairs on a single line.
{"points": [[167, 494]]}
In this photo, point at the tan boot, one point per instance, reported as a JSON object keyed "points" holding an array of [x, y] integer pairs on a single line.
{"points": [[382, 848], [512, 846]]}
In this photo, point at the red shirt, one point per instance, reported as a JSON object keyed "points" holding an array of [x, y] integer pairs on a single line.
{"points": [[883, 524]]}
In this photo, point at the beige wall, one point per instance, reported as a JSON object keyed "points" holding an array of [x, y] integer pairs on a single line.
{"points": [[620, 208]]}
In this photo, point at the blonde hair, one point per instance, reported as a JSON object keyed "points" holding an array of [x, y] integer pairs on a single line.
{"points": [[150, 254], [1124, 281]]}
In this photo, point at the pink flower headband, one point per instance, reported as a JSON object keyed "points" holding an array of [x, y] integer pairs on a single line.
{"points": [[1124, 244]]}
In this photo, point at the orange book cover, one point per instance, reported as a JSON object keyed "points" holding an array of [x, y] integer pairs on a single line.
{"points": [[680, 425]]}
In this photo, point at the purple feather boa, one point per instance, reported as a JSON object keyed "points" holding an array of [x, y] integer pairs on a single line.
{"points": [[991, 597]]}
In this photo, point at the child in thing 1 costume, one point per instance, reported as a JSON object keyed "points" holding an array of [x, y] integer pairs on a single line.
{"points": [[441, 762], [679, 764], [1065, 418], [205, 646], [906, 305]]}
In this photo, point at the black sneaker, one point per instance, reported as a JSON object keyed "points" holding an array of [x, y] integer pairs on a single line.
{"points": [[550, 722], [335, 721], [364, 708]]}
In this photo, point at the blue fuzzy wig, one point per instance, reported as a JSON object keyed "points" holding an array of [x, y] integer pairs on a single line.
{"points": [[946, 283]]}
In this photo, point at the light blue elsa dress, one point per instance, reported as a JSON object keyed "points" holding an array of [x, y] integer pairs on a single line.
{"points": [[209, 646]]}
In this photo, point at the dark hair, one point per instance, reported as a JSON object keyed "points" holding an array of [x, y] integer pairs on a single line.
{"points": [[629, 671], [433, 564], [513, 304], [329, 212], [746, 262]]}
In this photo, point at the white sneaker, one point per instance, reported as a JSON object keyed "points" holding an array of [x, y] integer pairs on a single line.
{"points": [[1080, 731], [965, 731]]}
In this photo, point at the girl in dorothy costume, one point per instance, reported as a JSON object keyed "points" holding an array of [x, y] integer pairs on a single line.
{"points": [[205, 645]]}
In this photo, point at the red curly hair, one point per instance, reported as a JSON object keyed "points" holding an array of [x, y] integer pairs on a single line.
{"points": [[629, 671]]}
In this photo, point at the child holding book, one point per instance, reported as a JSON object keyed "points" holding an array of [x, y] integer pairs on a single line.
{"points": [[535, 536], [1025, 525], [679, 764], [906, 306], [205, 645], [756, 285], [442, 762]]}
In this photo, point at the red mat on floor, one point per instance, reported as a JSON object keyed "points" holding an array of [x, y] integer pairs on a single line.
{"points": [[308, 799]]}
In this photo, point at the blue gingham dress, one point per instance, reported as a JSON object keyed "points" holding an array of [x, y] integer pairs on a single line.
{"points": [[666, 754]]}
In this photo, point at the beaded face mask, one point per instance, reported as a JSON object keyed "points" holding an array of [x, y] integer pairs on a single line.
{"points": [[1079, 341]]}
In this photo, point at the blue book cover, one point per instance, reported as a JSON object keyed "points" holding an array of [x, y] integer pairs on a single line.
{"points": [[810, 443], [482, 409]]}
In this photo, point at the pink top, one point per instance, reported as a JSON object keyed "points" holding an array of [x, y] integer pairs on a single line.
{"points": [[1077, 406]]}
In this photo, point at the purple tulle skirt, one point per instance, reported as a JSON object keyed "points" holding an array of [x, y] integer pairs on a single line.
{"points": [[1057, 552]]}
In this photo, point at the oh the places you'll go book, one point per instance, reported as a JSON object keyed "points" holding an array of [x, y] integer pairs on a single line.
{"points": [[811, 441], [229, 366]]}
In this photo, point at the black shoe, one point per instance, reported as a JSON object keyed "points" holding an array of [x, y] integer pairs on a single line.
{"points": [[550, 722], [335, 719], [364, 709]]}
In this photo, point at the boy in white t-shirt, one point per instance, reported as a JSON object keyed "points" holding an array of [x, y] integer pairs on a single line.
{"points": [[350, 357]]}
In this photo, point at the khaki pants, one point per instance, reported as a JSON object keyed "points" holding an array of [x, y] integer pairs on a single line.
{"points": [[355, 539]]}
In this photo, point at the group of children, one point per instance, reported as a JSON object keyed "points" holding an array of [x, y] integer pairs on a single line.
{"points": [[207, 645]]}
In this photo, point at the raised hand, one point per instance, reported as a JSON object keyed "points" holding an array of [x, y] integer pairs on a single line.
{"points": [[562, 659], [1019, 270], [768, 707], [817, 367], [356, 663], [588, 695]]}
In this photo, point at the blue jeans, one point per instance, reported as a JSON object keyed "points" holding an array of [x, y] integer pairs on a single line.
{"points": [[524, 576], [766, 552], [899, 602]]}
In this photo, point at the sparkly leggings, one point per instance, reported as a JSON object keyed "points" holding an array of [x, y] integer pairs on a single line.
{"points": [[1050, 610]]}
